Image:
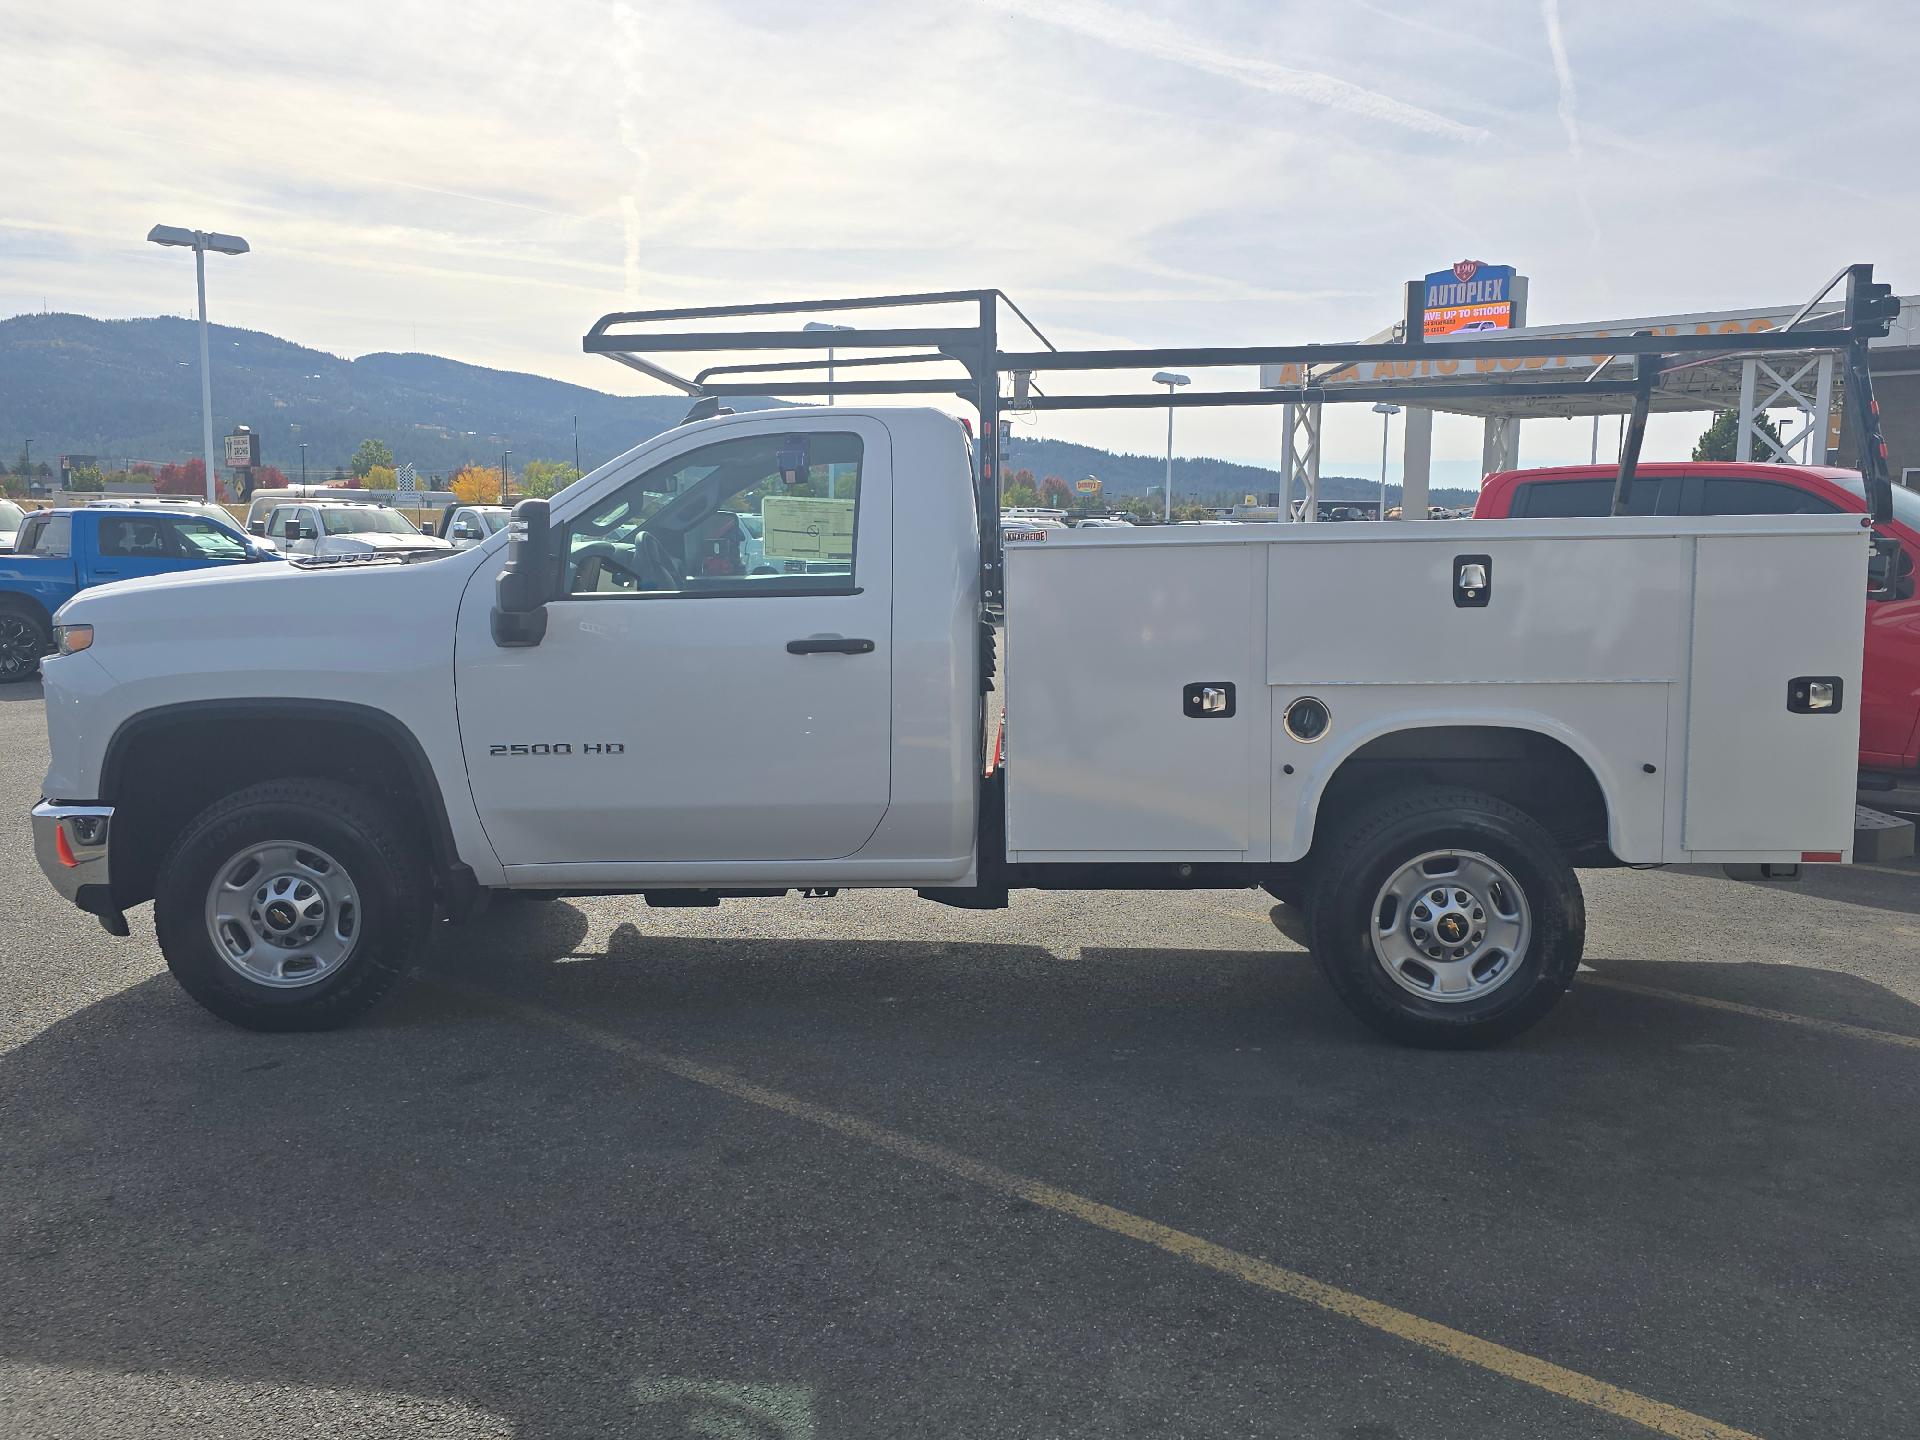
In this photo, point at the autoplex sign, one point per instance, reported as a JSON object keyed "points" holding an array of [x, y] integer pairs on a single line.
{"points": [[1472, 296]]}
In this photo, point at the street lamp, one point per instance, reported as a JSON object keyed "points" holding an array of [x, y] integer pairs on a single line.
{"points": [[1172, 382], [201, 241], [504, 454], [816, 326], [1386, 413], [303, 462], [26, 452]]}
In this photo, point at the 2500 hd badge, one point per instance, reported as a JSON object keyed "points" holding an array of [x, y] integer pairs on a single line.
{"points": [[561, 747]]}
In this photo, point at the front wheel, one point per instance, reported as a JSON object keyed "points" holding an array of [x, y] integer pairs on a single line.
{"points": [[24, 639], [291, 905], [1446, 918]]}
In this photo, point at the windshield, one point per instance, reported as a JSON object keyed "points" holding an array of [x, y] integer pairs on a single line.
{"points": [[365, 520], [1906, 503], [10, 515], [494, 520]]}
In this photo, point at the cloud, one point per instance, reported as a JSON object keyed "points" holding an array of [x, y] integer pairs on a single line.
{"points": [[1145, 35], [1568, 108]]}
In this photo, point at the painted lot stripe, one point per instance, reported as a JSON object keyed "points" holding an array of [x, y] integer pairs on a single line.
{"points": [[1758, 1012], [1655, 1415]]}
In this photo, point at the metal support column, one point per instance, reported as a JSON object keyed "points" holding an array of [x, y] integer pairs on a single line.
{"points": [[1416, 462], [1500, 444]]}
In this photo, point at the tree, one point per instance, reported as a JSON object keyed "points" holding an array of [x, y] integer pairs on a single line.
{"points": [[1022, 496], [269, 477], [543, 478], [1056, 492], [477, 485], [382, 477], [187, 479], [1721, 439], [370, 454], [86, 477]]}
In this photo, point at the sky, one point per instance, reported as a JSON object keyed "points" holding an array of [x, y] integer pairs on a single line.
{"points": [[484, 179]]}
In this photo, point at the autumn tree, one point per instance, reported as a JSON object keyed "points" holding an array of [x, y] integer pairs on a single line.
{"points": [[370, 454], [1056, 492], [86, 477], [187, 479], [476, 485], [382, 477]]}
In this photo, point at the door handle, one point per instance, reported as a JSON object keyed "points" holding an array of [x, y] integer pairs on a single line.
{"points": [[829, 645]]}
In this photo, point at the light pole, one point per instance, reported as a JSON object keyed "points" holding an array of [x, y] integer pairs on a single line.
{"points": [[504, 454], [819, 325], [576, 447], [1386, 413], [26, 475], [201, 241], [1172, 382], [303, 462]]}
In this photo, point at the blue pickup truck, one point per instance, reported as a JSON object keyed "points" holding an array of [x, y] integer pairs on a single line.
{"points": [[62, 552]]}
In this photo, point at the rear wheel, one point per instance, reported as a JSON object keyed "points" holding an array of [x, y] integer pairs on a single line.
{"points": [[24, 638], [291, 905], [1446, 918]]}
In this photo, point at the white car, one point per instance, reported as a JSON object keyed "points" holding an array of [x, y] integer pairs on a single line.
{"points": [[467, 525], [331, 528], [10, 517]]}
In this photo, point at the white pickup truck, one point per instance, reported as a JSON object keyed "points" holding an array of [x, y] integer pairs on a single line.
{"points": [[1418, 730]]}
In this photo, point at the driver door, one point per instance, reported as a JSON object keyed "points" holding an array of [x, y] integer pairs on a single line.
{"points": [[714, 686]]}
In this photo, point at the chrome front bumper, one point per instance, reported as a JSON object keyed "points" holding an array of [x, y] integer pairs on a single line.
{"points": [[70, 841]]}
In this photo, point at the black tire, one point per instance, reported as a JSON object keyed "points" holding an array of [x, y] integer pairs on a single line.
{"points": [[25, 636], [1371, 847], [393, 892]]}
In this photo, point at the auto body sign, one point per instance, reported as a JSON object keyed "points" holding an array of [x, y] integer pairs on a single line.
{"points": [[1471, 296]]}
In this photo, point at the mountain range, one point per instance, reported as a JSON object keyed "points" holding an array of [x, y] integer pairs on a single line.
{"points": [[129, 390]]}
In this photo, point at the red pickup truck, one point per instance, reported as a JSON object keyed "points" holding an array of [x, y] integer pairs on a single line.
{"points": [[1890, 682]]}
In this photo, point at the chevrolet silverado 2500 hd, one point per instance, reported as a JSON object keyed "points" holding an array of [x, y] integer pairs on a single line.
{"points": [[751, 656], [1421, 728]]}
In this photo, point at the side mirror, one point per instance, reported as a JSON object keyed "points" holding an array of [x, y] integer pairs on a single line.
{"points": [[426, 527], [306, 532], [258, 527], [521, 589]]}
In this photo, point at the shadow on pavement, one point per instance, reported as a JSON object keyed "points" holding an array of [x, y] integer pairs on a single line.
{"points": [[453, 1204]]}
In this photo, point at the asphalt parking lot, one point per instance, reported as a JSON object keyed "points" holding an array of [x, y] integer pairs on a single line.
{"points": [[1097, 1165]]}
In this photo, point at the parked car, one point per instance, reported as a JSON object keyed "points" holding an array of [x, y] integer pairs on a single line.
{"points": [[206, 509], [465, 526], [10, 517], [334, 527], [1890, 682], [62, 552]]}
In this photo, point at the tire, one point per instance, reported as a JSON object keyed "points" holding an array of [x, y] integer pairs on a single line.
{"points": [[25, 636], [336, 901], [1520, 928]]}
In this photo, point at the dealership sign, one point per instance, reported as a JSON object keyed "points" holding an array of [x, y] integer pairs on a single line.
{"points": [[1470, 297]]}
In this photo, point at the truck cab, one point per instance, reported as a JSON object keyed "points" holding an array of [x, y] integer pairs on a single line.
{"points": [[1890, 682]]}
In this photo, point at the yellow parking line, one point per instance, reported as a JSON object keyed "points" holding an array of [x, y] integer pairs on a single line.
{"points": [[1470, 1349], [1759, 1012]]}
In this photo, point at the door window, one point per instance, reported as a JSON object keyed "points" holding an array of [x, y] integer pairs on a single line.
{"points": [[133, 537], [1568, 498], [767, 514], [197, 539], [1737, 495]]}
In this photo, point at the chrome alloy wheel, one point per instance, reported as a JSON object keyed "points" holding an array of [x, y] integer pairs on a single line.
{"points": [[1451, 925], [283, 913]]}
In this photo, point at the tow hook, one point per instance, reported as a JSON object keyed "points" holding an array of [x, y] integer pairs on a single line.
{"points": [[114, 922]]}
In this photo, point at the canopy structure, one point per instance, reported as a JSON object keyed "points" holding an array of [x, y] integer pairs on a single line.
{"points": [[1739, 377]]}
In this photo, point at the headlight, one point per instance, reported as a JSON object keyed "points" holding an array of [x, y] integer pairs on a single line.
{"points": [[72, 639]]}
